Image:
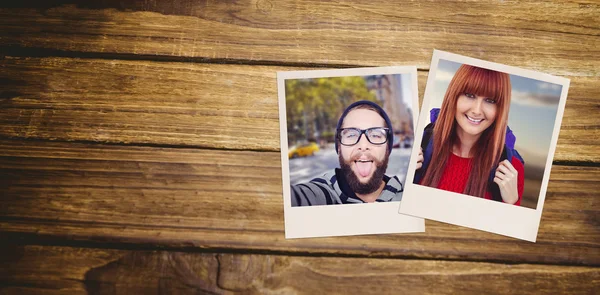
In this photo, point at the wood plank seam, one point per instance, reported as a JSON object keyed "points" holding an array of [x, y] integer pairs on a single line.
{"points": [[137, 144], [39, 240], [40, 52]]}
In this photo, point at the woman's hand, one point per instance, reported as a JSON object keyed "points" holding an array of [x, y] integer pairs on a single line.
{"points": [[506, 178], [420, 159]]}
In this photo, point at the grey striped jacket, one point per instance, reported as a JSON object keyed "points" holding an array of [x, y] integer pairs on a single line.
{"points": [[332, 188]]}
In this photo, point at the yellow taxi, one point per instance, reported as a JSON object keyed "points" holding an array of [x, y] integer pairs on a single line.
{"points": [[303, 150]]}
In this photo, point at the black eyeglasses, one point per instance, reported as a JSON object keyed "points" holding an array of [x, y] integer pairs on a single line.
{"points": [[375, 135]]}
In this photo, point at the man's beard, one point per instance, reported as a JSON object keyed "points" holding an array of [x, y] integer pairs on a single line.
{"points": [[372, 184]]}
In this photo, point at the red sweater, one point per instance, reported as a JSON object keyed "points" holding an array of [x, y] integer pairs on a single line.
{"points": [[457, 171]]}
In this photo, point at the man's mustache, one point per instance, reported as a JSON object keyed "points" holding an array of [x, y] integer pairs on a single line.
{"points": [[363, 156]]}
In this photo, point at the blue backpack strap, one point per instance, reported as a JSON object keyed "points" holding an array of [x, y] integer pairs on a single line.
{"points": [[493, 188], [427, 146]]}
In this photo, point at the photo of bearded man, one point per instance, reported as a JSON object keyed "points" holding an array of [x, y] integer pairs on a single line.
{"points": [[363, 142]]}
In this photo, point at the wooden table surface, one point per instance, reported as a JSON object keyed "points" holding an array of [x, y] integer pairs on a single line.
{"points": [[139, 147]]}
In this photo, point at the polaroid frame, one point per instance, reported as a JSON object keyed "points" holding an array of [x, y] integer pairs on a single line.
{"points": [[468, 211], [342, 219]]}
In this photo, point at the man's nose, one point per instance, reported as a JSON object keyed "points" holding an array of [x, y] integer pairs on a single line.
{"points": [[363, 142]]}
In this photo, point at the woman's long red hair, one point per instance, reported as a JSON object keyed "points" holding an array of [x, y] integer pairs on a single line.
{"points": [[488, 149]]}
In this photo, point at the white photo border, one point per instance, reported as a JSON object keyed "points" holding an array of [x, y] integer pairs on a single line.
{"points": [[431, 203], [343, 219]]}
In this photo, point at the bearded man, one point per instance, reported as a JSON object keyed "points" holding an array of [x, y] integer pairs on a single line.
{"points": [[363, 142]]}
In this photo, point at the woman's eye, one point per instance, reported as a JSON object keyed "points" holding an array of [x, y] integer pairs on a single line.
{"points": [[490, 100], [469, 95]]}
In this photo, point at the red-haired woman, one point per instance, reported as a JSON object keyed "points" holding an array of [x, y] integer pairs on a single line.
{"points": [[466, 150]]}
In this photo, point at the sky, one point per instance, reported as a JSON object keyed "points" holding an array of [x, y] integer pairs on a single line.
{"points": [[532, 112]]}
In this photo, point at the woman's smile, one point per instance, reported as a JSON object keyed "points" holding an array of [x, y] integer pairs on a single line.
{"points": [[473, 120]]}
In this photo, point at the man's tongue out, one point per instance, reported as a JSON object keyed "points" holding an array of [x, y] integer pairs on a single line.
{"points": [[364, 167]]}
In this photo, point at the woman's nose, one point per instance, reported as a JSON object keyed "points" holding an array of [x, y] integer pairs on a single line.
{"points": [[476, 108]]}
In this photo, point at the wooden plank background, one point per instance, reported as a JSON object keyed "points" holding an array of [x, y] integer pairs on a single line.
{"points": [[139, 146]]}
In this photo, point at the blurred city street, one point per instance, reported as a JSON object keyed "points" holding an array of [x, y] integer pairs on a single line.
{"points": [[306, 168]]}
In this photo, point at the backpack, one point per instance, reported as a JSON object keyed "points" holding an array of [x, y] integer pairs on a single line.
{"points": [[508, 152]]}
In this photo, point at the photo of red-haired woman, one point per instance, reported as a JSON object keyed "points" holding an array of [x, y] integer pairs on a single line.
{"points": [[484, 144], [468, 148]]}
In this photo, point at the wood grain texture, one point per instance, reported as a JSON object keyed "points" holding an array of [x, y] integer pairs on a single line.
{"points": [[49, 269], [559, 38], [139, 147], [197, 105], [213, 106], [195, 198]]}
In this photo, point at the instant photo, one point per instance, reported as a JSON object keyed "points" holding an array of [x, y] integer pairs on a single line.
{"points": [[484, 145], [346, 140]]}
